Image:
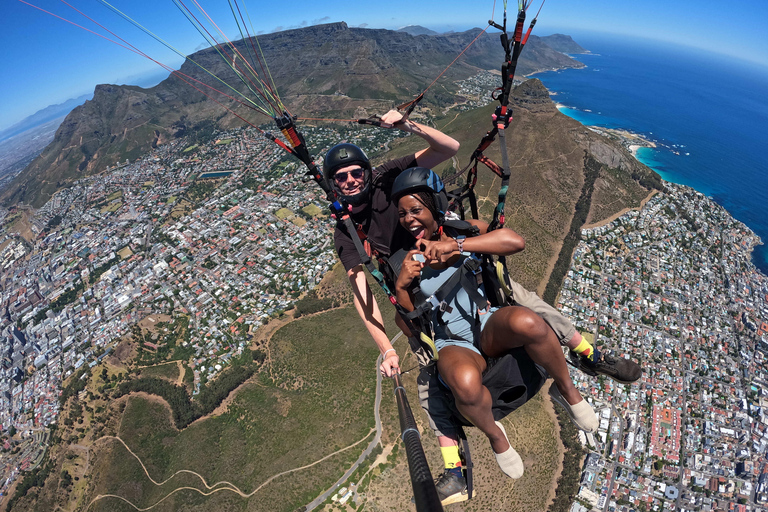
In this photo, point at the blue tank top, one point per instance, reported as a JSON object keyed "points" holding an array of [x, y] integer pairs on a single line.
{"points": [[463, 321]]}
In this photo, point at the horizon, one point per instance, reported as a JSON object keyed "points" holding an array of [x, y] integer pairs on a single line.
{"points": [[72, 70]]}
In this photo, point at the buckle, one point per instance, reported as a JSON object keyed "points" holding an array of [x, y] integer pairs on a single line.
{"points": [[473, 265]]}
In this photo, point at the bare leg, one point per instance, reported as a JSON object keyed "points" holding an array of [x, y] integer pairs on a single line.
{"points": [[574, 341], [516, 326], [448, 441], [462, 370]]}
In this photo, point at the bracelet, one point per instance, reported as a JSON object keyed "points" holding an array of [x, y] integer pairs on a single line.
{"points": [[386, 352], [460, 242]]}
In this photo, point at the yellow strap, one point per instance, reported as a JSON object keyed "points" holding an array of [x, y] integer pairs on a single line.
{"points": [[431, 345], [501, 277]]}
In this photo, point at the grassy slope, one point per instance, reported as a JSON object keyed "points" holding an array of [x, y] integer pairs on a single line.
{"points": [[322, 401]]}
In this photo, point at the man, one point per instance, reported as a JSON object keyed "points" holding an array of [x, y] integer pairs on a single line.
{"points": [[367, 190], [347, 169]]}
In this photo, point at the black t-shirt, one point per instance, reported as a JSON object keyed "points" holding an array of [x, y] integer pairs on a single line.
{"points": [[378, 218]]}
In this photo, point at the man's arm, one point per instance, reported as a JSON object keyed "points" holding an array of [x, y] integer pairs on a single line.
{"points": [[369, 312], [441, 146]]}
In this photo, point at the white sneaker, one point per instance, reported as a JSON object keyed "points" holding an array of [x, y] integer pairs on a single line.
{"points": [[509, 461], [582, 414]]}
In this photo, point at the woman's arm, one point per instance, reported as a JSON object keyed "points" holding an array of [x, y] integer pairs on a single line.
{"points": [[500, 242]]}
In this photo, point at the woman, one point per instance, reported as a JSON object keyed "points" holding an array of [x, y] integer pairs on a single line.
{"points": [[465, 334]]}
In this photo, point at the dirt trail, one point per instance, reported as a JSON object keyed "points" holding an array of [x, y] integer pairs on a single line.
{"points": [[210, 488], [182, 371], [619, 214]]}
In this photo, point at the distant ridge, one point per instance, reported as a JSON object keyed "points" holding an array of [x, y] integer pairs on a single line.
{"points": [[418, 30], [563, 43], [43, 116], [328, 70]]}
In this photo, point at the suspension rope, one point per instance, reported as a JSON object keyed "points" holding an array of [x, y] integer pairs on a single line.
{"points": [[264, 108], [255, 55], [226, 57]]}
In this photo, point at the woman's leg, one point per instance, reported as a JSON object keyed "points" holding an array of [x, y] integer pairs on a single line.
{"points": [[462, 369], [516, 326]]}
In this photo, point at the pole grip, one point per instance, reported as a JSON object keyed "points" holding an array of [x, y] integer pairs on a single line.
{"points": [[424, 491]]}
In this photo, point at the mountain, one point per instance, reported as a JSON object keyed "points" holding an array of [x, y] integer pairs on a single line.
{"points": [[43, 116], [418, 30], [321, 71], [563, 43]]}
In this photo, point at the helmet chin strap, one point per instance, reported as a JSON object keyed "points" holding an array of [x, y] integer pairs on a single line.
{"points": [[357, 199]]}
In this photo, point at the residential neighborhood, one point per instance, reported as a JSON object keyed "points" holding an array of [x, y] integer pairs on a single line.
{"points": [[131, 243], [672, 287]]}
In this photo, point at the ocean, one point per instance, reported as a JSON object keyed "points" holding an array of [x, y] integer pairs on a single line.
{"points": [[707, 113]]}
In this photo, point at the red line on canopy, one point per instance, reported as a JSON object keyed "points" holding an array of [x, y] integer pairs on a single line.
{"points": [[181, 75], [222, 47]]}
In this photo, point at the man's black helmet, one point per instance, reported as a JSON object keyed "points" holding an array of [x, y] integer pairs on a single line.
{"points": [[421, 179], [343, 155]]}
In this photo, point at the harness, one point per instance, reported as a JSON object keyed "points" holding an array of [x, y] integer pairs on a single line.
{"points": [[473, 271], [500, 121]]}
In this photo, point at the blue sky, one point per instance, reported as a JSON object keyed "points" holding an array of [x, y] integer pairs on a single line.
{"points": [[47, 61]]}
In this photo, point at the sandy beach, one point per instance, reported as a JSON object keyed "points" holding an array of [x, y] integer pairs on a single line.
{"points": [[631, 141]]}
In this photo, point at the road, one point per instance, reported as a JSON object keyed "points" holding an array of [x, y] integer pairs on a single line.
{"points": [[376, 440]]}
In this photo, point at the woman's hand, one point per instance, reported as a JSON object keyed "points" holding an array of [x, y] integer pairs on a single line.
{"points": [[440, 251], [409, 270], [390, 365]]}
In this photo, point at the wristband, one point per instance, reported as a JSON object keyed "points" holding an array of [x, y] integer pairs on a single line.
{"points": [[388, 351], [460, 241]]}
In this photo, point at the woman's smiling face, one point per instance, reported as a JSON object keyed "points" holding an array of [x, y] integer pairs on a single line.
{"points": [[415, 217]]}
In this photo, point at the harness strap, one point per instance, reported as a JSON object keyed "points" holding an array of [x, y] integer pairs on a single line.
{"points": [[465, 276], [365, 256]]}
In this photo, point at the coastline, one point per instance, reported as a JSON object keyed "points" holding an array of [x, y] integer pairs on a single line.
{"points": [[702, 159], [571, 55], [633, 142], [630, 140]]}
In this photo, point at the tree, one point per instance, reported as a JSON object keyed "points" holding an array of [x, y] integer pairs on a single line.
{"points": [[66, 478]]}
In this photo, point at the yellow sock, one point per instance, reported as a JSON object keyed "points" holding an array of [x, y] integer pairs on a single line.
{"points": [[451, 456], [585, 349]]}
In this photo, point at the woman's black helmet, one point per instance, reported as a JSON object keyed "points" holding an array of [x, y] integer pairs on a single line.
{"points": [[421, 179], [343, 155]]}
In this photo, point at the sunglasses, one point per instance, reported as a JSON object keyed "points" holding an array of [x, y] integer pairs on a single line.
{"points": [[341, 177]]}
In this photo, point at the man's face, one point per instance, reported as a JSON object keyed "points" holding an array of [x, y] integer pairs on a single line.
{"points": [[350, 179]]}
